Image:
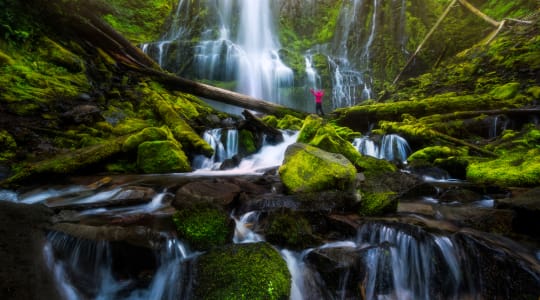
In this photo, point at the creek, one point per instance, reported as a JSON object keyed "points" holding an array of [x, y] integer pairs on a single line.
{"points": [[408, 255]]}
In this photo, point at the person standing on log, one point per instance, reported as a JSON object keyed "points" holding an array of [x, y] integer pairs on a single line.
{"points": [[318, 100]]}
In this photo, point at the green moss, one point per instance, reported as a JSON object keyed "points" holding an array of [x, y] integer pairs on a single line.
{"points": [[327, 139], [242, 271], [534, 91], [8, 146], [432, 153], [203, 227], [246, 142], [290, 230], [515, 168], [376, 204], [5, 59], [312, 123], [162, 157], [140, 20], [270, 120], [290, 122], [147, 134], [373, 167], [506, 91], [130, 125], [310, 169]]}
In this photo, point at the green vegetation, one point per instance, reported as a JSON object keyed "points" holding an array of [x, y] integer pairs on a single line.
{"points": [[162, 157], [377, 204], [204, 227], [242, 271]]}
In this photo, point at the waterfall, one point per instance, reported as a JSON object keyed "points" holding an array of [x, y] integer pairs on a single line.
{"points": [[246, 52], [392, 147], [406, 263], [223, 148], [86, 269]]}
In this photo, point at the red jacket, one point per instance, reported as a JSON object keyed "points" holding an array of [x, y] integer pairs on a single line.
{"points": [[318, 95]]}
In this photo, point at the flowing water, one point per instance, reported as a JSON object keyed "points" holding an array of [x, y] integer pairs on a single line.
{"points": [[391, 147]]}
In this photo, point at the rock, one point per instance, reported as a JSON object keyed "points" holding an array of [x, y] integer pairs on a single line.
{"points": [[24, 273], [162, 157], [527, 209], [290, 230], [83, 114], [484, 219], [310, 169], [460, 195], [255, 271], [129, 195], [204, 226], [219, 193]]}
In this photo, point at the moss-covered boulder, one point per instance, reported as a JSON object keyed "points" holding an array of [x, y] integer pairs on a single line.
{"points": [[242, 271], [289, 229], [145, 135], [290, 122], [328, 137], [310, 169], [162, 157], [247, 144], [204, 226]]}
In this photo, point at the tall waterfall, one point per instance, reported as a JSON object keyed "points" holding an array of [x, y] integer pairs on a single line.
{"points": [[246, 52]]}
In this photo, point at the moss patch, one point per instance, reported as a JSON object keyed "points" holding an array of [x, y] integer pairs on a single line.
{"points": [[162, 157], [204, 227], [243, 271]]}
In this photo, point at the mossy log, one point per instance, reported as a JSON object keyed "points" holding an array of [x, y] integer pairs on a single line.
{"points": [[67, 163], [217, 94], [471, 114], [273, 135]]}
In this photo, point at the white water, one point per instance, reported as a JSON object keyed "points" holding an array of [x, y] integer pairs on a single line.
{"points": [[90, 263], [392, 147], [224, 148], [268, 157], [248, 55], [243, 232]]}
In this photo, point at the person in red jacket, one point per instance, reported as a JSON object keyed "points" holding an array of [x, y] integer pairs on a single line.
{"points": [[318, 100]]}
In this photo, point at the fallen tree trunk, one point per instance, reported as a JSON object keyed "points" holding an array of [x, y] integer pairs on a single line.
{"points": [[476, 113]]}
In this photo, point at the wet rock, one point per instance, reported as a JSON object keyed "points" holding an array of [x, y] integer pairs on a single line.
{"points": [[217, 192], [484, 219], [459, 195], [527, 208], [289, 229], [125, 196]]}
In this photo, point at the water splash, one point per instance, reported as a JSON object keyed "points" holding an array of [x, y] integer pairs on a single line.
{"points": [[223, 148], [243, 232]]}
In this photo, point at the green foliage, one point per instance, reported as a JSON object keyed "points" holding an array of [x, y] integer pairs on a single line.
{"points": [[242, 271], [432, 153], [203, 227], [290, 230]]}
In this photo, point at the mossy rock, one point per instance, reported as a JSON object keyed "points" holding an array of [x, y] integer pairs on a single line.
{"points": [[242, 271], [432, 153], [377, 203], [327, 139], [290, 122], [373, 167], [506, 91], [289, 229], [534, 91], [310, 169], [162, 157], [145, 135], [204, 227], [270, 120], [246, 142], [512, 169], [312, 123]]}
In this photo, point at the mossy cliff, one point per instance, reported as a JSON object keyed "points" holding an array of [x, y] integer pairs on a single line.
{"points": [[65, 90]]}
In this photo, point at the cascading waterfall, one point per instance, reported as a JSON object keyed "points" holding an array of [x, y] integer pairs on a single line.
{"points": [[392, 147], [249, 56], [407, 263], [224, 148], [84, 269], [160, 49]]}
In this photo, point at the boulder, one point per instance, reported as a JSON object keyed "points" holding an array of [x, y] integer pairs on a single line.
{"points": [[245, 271], [310, 169], [204, 226], [527, 209], [219, 193], [162, 157]]}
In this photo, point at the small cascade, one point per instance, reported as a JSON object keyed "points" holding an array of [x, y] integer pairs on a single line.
{"points": [[243, 232], [177, 31], [96, 269], [224, 148], [391, 147], [499, 124], [312, 77], [407, 263]]}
